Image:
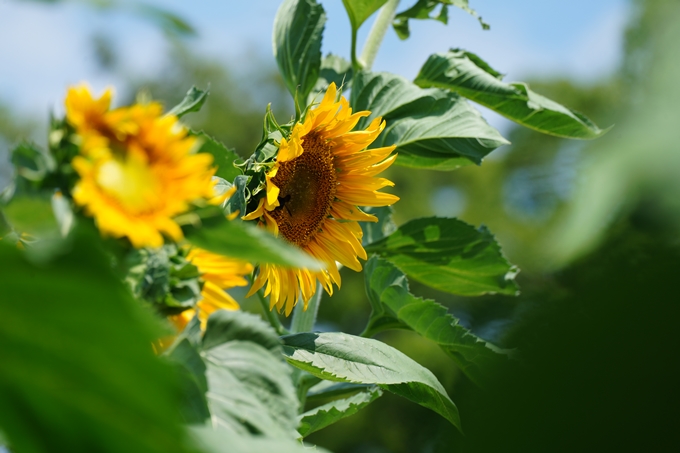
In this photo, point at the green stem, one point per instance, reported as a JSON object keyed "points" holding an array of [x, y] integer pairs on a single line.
{"points": [[304, 320], [272, 316], [377, 34], [356, 66]]}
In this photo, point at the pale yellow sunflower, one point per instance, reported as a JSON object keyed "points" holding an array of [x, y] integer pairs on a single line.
{"points": [[218, 274], [137, 168], [323, 172]]}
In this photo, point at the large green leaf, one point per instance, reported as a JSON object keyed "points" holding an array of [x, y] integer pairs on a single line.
{"points": [[431, 128], [298, 30], [248, 242], [449, 255], [468, 75], [329, 413], [334, 69], [374, 231], [394, 306], [192, 102], [236, 377], [337, 356], [78, 370], [224, 157], [250, 389], [423, 9]]}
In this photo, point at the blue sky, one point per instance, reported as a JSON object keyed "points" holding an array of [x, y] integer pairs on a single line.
{"points": [[45, 48]]}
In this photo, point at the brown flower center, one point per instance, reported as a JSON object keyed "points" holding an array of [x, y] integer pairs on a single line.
{"points": [[307, 186]]}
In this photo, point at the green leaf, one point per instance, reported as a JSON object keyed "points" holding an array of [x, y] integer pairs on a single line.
{"points": [[237, 203], [423, 10], [394, 306], [78, 370], [341, 357], [468, 75], [298, 30], [191, 370], [248, 242], [431, 128], [224, 157], [360, 10], [449, 255], [250, 389], [192, 102], [329, 413]]}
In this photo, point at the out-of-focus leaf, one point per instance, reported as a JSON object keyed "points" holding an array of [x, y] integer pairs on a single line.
{"points": [[423, 10], [431, 128], [169, 22], [192, 102], [248, 242], [468, 75], [224, 157], [449, 255], [341, 357], [298, 30], [329, 413], [394, 306], [78, 370]]}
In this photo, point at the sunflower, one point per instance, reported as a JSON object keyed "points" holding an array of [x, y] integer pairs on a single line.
{"points": [[137, 168], [218, 273], [322, 173]]}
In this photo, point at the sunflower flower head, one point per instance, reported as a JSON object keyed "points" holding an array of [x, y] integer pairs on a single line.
{"points": [[322, 174], [137, 168]]}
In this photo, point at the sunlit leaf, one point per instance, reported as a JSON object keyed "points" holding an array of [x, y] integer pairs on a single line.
{"points": [[468, 75], [360, 10], [449, 255], [215, 440], [423, 9], [432, 128], [329, 413], [298, 30], [249, 386], [192, 102], [78, 370], [341, 357], [395, 307]]}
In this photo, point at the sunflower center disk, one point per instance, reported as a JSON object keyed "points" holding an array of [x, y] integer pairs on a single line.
{"points": [[307, 185]]}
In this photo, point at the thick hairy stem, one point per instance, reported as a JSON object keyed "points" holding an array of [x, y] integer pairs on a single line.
{"points": [[377, 34], [304, 320]]}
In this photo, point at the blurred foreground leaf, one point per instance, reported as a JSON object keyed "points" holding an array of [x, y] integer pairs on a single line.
{"points": [[449, 255], [78, 370], [395, 307], [431, 128], [245, 241], [468, 75], [337, 356]]}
